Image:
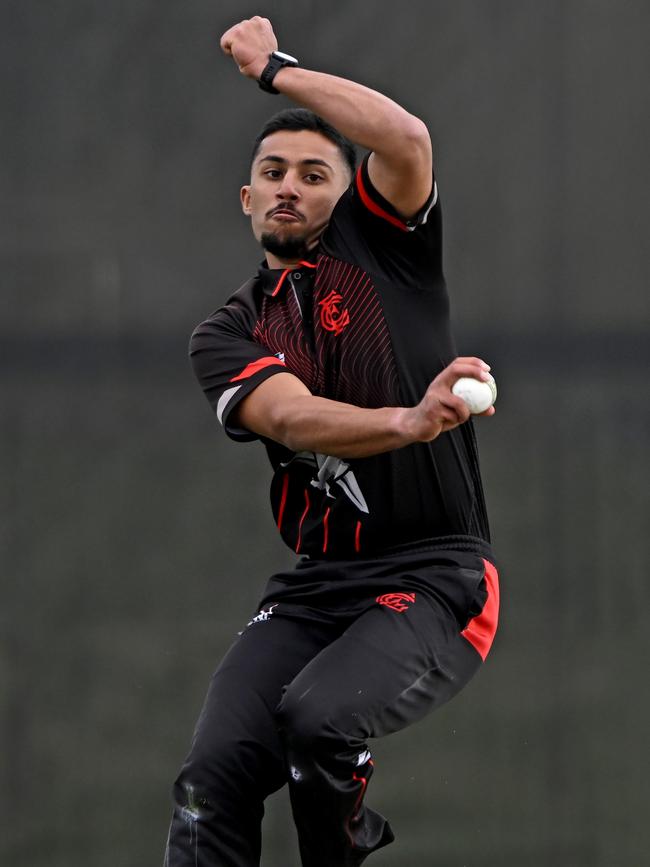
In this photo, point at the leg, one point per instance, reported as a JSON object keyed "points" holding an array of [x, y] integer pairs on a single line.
{"points": [[236, 759], [388, 670]]}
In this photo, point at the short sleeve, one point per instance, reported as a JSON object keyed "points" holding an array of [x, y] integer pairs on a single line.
{"points": [[379, 207], [229, 363], [367, 230]]}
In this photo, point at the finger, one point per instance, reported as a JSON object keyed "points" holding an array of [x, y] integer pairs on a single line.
{"points": [[471, 359], [456, 406], [465, 367], [226, 41], [480, 370], [447, 409], [439, 396]]}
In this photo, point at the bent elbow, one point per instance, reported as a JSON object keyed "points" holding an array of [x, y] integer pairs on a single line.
{"points": [[416, 131], [407, 145], [416, 139], [290, 423], [281, 426], [287, 433]]}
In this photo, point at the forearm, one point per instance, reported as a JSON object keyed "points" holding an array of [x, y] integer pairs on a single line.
{"points": [[365, 116], [282, 409], [316, 424]]}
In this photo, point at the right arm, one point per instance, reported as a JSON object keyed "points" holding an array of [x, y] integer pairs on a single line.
{"points": [[400, 165], [254, 395], [282, 409]]}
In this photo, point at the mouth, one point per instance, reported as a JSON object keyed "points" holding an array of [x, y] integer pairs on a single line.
{"points": [[285, 215]]}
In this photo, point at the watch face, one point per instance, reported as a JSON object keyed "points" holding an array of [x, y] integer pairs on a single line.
{"points": [[282, 56]]}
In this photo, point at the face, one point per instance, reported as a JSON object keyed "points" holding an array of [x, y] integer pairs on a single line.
{"points": [[296, 179]]}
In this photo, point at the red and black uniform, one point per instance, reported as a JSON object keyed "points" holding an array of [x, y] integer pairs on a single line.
{"points": [[366, 323], [394, 603]]}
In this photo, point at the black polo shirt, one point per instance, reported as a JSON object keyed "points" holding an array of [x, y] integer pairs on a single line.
{"points": [[365, 321]]}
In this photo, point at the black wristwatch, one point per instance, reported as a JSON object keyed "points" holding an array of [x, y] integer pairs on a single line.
{"points": [[277, 59]]}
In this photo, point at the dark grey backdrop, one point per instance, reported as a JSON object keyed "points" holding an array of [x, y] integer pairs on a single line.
{"points": [[135, 538]]}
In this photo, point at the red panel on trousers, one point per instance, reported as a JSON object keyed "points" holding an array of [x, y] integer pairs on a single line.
{"points": [[481, 629]]}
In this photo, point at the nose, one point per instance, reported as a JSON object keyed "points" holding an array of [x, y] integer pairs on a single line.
{"points": [[288, 189]]}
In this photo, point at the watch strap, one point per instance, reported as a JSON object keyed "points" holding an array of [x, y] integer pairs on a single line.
{"points": [[277, 61]]}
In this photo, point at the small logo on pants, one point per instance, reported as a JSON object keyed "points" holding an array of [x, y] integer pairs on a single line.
{"points": [[264, 615], [396, 601]]}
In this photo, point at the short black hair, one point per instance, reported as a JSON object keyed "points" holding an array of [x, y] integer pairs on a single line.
{"points": [[296, 119]]}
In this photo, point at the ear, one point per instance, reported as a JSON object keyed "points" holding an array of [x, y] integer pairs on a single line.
{"points": [[245, 196]]}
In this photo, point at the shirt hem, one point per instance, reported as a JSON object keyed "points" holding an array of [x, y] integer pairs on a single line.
{"points": [[470, 544]]}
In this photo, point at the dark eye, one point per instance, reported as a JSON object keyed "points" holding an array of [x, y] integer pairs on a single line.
{"points": [[273, 174], [313, 178]]}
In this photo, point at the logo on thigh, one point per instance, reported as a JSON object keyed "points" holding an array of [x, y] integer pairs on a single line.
{"points": [[397, 601], [264, 615]]}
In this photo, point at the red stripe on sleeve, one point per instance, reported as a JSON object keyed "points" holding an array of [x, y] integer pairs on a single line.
{"points": [[254, 366], [374, 208], [481, 629]]}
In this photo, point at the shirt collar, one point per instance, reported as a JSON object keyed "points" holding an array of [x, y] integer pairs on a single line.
{"points": [[273, 280]]}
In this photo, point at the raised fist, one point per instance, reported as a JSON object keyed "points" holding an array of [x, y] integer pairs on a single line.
{"points": [[249, 43]]}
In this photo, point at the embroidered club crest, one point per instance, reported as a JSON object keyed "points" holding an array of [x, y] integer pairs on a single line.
{"points": [[331, 316], [397, 601]]}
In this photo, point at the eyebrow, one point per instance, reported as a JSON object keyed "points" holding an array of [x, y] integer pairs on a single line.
{"points": [[313, 161]]}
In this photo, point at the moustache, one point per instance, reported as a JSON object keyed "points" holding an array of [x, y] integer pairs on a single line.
{"points": [[287, 209]]}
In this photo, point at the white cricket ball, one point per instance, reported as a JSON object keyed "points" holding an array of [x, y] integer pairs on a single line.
{"points": [[478, 395]]}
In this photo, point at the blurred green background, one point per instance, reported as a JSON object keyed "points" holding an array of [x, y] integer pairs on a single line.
{"points": [[136, 539]]}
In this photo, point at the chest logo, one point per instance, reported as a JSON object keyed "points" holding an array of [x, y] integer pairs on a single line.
{"points": [[332, 318]]}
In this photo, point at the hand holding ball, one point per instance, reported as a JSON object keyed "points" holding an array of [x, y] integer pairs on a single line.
{"points": [[479, 396]]}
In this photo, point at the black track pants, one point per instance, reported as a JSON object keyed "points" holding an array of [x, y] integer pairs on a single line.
{"points": [[312, 677]]}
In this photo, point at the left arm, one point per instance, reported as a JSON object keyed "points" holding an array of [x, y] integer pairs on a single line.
{"points": [[400, 165]]}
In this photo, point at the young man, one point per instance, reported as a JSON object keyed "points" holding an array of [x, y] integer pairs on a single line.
{"points": [[337, 354]]}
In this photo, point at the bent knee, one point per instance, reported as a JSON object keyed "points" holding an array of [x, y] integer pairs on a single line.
{"points": [[228, 766], [304, 721]]}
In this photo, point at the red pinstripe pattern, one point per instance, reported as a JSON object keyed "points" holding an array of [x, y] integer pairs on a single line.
{"points": [[280, 330], [364, 371], [355, 366]]}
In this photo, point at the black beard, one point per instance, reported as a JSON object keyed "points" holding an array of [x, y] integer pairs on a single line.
{"points": [[285, 248]]}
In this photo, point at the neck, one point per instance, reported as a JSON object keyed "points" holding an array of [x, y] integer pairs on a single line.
{"points": [[274, 262]]}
